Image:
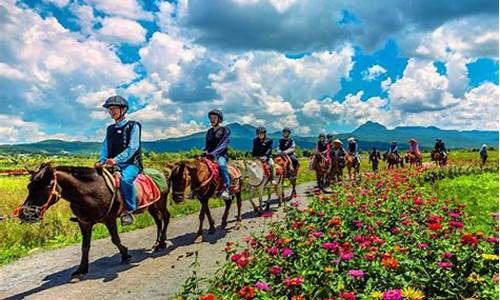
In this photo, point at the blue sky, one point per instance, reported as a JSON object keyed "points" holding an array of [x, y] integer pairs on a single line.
{"points": [[311, 65]]}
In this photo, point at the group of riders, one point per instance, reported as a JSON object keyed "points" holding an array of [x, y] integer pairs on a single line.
{"points": [[121, 148]]}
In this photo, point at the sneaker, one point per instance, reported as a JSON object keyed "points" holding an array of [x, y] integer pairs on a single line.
{"points": [[225, 194], [127, 219], [274, 182]]}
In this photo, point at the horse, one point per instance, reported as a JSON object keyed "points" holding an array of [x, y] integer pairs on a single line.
{"points": [[337, 168], [412, 159], [393, 160], [439, 158], [203, 177], [92, 201], [352, 164], [321, 165], [257, 174], [283, 161]]}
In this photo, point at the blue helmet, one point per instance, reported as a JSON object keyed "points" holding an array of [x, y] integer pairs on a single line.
{"points": [[116, 101], [261, 129]]}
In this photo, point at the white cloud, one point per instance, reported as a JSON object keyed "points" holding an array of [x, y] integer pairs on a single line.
{"points": [[120, 30], [373, 72], [130, 9], [58, 3], [86, 18]]}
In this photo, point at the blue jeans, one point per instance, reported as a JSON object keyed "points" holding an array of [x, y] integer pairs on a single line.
{"points": [[222, 162], [129, 174]]}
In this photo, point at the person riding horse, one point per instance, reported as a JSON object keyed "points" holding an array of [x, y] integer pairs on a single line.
{"points": [[394, 149], [216, 147], [337, 153], [414, 149], [353, 149], [122, 148], [263, 150], [287, 147], [323, 146], [483, 154], [374, 158], [441, 148]]}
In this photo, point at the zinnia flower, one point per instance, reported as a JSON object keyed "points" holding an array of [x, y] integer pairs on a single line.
{"points": [[275, 270], [413, 294], [356, 274], [286, 252], [208, 296], [445, 264], [393, 295], [347, 296], [247, 292], [262, 285], [295, 281]]}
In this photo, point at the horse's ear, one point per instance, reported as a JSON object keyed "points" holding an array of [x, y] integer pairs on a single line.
{"points": [[170, 166]]}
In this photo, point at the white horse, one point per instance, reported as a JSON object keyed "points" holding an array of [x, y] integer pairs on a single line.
{"points": [[253, 173]]}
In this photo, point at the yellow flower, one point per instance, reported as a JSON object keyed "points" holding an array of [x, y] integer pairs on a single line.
{"points": [[340, 287], [328, 270], [473, 277], [490, 256], [413, 294], [377, 295]]}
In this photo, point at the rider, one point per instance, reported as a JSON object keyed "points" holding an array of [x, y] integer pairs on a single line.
{"points": [[287, 146], [216, 147], [440, 147], [263, 149], [338, 152], [122, 148], [323, 146], [394, 149], [414, 148], [483, 153], [374, 158], [353, 148]]}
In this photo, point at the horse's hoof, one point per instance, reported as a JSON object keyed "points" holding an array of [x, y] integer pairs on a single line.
{"points": [[211, 230], [78, 275], [126, 258], [198, 239], [223, 225], [76, 278]]}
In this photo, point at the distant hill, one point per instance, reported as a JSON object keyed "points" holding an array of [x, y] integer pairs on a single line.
{"points": [[369, 135]]}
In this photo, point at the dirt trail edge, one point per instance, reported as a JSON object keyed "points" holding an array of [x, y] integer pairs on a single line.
{"points": [[151, 276]]}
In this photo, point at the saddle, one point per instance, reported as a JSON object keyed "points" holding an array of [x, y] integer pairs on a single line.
{"points": [[148, 190], [267, 168], [216, 176]]}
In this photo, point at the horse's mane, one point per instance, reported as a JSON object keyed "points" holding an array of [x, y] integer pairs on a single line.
{"points": [[81, 173]]}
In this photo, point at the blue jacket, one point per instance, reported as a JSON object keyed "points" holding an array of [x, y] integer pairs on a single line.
{"points": [[133, 146]]}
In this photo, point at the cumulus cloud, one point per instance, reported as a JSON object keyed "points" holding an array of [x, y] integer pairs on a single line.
{"points": [[373, 72], [130, 9], [120, 30]]}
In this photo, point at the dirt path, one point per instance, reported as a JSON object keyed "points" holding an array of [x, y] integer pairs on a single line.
{"points": [[149, 276]]}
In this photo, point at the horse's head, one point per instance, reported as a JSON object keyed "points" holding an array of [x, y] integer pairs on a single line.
{"points": [[253, 171], [180, 179], [43, 192]]}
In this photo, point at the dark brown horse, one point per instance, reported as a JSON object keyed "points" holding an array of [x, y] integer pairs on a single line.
{"points": [[91, 201], [337, 168], [321, 165], [412, 159], [352, 165], [392, 160], [439, 158], [284, 162], [199, 177]]}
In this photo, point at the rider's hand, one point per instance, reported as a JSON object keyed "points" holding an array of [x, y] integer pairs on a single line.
{"points": [[110, 162], [98, 165]]}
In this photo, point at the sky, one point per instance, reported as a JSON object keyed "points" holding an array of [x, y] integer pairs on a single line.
{"points": [[315, 66]]}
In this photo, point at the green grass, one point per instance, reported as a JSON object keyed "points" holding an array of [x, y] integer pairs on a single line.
{"points": [[478, 191]]}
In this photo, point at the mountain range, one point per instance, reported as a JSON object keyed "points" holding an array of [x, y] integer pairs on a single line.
{"points": [[368, 135]]}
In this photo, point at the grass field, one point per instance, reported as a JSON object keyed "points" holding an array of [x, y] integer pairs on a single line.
{"points": [[18, 240]]}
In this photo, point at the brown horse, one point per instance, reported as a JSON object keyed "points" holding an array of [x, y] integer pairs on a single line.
{"points": [[321, 165], [393, 160], [337, 169], [412, 159], [200, 178], [283, 161], [91, 201], [439, 158], [352, 164]]}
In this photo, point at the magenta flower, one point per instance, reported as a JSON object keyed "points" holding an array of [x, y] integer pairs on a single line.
{"points": [[346, 255], [272, 250], [456, 224], [356, 274], [295, 203], [317, 234], [262, 286], [330, 245], [286, 252], [423, 245], [493, 239], [445, 264], [275, 270], [447, 255], [393, 295]]}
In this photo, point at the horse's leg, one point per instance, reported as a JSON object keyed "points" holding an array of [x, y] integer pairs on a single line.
{"points": [[166, 219], [238, 206], [201, 217], [226, 212], [86, 230], [294, 183], [252, 195], [211, 222], [115, 238], [155, 213]]}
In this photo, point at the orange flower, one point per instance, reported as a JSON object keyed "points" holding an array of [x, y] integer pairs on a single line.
{"points": [[328, 270], [298, 297], [247, 292], [389, 262], [208, 296], [335, 221]]}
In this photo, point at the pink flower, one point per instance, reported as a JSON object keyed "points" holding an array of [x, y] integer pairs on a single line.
{"points": [[456, 224], [493, 239], [295, 203], [346, 255], [330, 245], [262, 286], [356, 274], [296, 281], [317, 234], [272, 250], [275, 270], [347, 296], [447, 255], [393, 295], [454, 214], [359, 239], [286, 252], [445, 264], [423, 245]]}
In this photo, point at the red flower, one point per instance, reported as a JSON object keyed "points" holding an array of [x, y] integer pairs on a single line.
{"points": [[434, 226], [275, 270], [347, 296], [247, 292], [469, 239], [209, 296], [296, 281]]}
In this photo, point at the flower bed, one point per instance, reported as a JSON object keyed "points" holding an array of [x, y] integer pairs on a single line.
{"points": [[381, 239]]}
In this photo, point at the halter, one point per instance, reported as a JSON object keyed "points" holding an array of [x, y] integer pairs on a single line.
{"points": [[34, 212]]}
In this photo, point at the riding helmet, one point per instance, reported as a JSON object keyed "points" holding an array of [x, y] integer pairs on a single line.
{"points": [[216, 112], [115, 101]]}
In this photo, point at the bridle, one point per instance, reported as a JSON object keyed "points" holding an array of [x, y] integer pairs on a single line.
{"points": [[34, 213]]}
